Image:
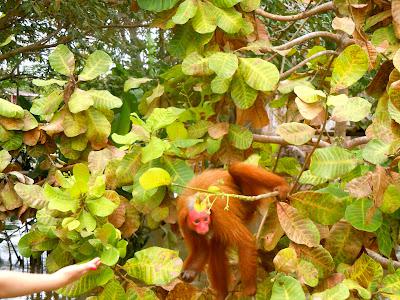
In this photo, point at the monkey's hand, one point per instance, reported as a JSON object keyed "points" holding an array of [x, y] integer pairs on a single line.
{"points": [[188, 275]]}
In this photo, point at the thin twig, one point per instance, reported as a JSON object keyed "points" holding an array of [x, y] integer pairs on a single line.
{"points": [[308, 36], [356, 142], [280, 141], [241, 197], [308, 13], [261, 225], [304, 62]]}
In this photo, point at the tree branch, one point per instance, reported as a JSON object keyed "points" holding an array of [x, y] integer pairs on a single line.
{"points": [[304, 62], [280, 141], [36, 46], [323, 34], [308, 13], [122, 26], [356, 142], [383, 261]]}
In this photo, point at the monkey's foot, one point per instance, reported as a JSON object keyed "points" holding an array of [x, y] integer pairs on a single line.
{"points": [[250, 290], [188, 275]]}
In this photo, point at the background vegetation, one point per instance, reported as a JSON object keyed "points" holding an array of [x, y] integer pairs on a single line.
{"points": [[109, 107]]}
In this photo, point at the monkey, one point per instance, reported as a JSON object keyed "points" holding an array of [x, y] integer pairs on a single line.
{"points": [[209, 232]]}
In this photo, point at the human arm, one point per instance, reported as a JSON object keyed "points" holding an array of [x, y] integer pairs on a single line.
{"points": [[13, 284]]}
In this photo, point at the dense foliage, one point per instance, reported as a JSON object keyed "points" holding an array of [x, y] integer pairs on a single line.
{"points": [[98, 157]]}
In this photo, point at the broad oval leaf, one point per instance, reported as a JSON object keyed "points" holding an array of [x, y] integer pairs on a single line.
{"points": [[80, 100], [359, 214], [154, 149], [299, 229], [295, 133], [109, 256], [154, 177], [157, 5], [134, 83], [31, 195], [309, 95], [338, 292], [259, 74], [287, 288], [229, 20], [99, 128], [308, 178], [307, 273], [225, 3], [101, 207], [97, 64], [104, 99], [309, 111], [391, 199], [354, 109], [376, 152], [332, 162], [249, 5], [240, 137], [112, 291], [62, 60], [47, 105], [362, 292], [161, 117], [220, 85], [323, 208], [205, 20], [59, 199], [180, 172], [223, 64], [365, 271], [154, 265], [391, 283], [41, 82], [10, 110], [195, 64], [5, 159], [242, 94], [286, 261], [186, 10], [349, 67]]}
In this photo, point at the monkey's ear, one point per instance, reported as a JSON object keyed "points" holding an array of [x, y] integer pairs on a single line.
{"points": [[254, 180]]}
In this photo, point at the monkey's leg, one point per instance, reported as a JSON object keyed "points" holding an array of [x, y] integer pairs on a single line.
{"points": [[218, 272], [248, 264]]}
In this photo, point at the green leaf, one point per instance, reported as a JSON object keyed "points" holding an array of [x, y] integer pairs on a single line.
{"points": [[157, 5], [309, 95], [8, 40], [10, 110], [128, 167], [154, 265], [376, 152], [259, 74], [307, 273], [286, 261], [101, 207], [287, 288], [177, 131], [80, 100], [229, 20], [308, 178], [391, 199], [344, 242], [14, 142], [126, 139], [195, 64], [205, 20], [338, 292], [180, 172], [198, 129], [109, 256], [365, 271], [97, 64], [220, 85], [349, 67], [318, 256], [352, 285], [299, 229], [249, 5], [323, 208], [74, 124], [97, 188], [332, 162], [384, 238], [354, 109], [5, 159], [154, 149], [240, 137], [62, 60], [31, 195], [391, 283], [186, 10], [87, 282], [223, 64], [242, 94], [154, 177], [35, 241], [47, 105], [104, 99], [113, 291], [134, 83], [41, 82], [225, 3], [59, 199], [162, 117], [359, 215], [87, 221], [99, 128], [295, 133]]}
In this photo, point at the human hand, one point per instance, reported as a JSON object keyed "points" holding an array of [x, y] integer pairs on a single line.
{"points": [[71, 273]]}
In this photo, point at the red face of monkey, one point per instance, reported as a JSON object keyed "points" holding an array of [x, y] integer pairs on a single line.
{"points": [[198, 221]]}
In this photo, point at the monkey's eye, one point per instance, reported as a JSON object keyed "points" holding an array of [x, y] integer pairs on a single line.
{"points": [[197, 221], [206, 219]]}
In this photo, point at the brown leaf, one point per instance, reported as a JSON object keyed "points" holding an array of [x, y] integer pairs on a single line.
{"points": [[183, 291], [255, 116], [9, 197], [117, 218], [396, 17], [378, 84], [272, 230], [218, 130], [31, 137], [132, 221], [260, 29], [360, 187], [380, 181], [12, 124]]}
